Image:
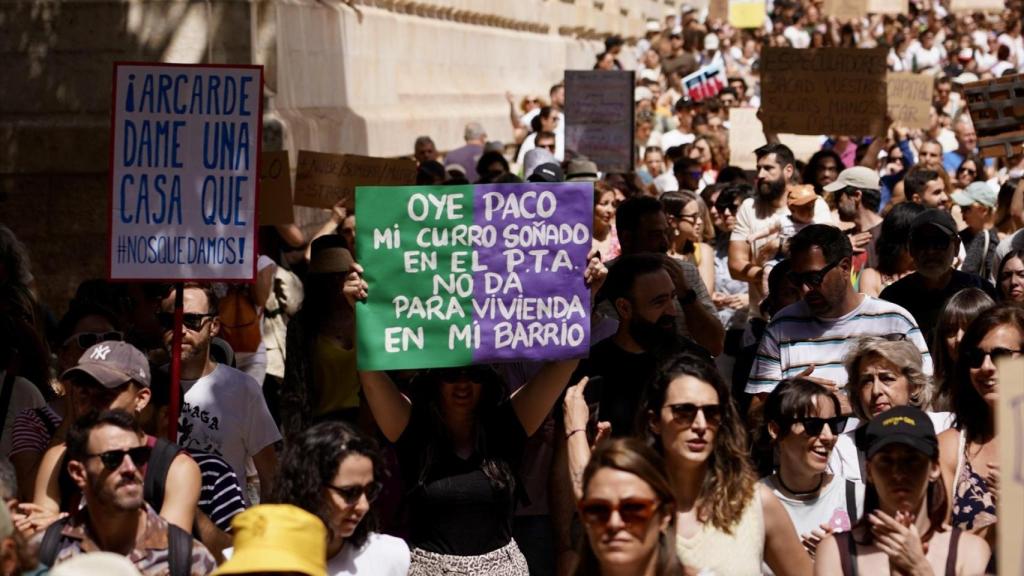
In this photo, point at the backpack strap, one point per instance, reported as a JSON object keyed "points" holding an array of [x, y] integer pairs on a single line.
{"points": [[847, 553], [155, 482], [954, 541], [179, 551], [851, 501], [50, 546]]}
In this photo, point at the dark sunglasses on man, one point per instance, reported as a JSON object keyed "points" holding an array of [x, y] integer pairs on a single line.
{"points": [[112, 459], [86, 340], [192, 321], [813, 278]]}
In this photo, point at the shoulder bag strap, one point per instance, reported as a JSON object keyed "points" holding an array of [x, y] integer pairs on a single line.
{"points": [[954, 541], [851, 501], [847, 553], [179, 551], [50, 546], [155, 482]]}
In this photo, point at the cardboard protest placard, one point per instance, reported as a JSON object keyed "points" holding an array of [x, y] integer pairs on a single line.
{"points": [[322, 180], [976, 5], [888, 6], [997, 111], [747, 13], [463, 275], [275, 189], [707, 81], [823, 90], [909, 98], [845, 9], [183, 161], [746, 135], [599, 109], [718, 10], [1010, 423]]}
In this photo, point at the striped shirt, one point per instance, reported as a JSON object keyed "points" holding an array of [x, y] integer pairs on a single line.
{"points": [[33, 430], [221, 495], [796, 338]]}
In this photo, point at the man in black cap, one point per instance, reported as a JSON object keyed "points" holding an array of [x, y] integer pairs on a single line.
{"points": [[548, 172], [934, 244]]}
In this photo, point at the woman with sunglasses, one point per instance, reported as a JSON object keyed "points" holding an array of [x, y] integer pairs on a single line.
{"points": [[628, 512], [959, 311], [334, 472], [970, 454], [726, 523], [803, 421], [967, 173], [689, 233], [902, 531]]}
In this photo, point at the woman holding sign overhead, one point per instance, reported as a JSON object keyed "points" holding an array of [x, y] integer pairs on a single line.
{"points": [[459, 438]]}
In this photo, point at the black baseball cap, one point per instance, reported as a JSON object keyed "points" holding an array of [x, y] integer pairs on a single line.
{"points": [[939, 219], [905, 425], [547, 172]]}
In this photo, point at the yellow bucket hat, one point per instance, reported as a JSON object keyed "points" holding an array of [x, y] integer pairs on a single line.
{"points": [[277, 538]]}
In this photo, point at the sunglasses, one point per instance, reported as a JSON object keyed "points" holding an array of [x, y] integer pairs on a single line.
{"points": [[814, 426], [899, 159], [970, 171], [976, 357], [686, 413], [88, 339], [193, 322], [730, 208], [632, 511], [812, 279], [548, 147], [351, 494], [112, 459]]}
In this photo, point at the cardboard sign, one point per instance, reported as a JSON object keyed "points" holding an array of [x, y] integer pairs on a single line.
{"points": [[888, 6], [747, 13], [183, 166], [707, 81], [473, 274], [718, 10], [838, 91], [599, 111], [976, 5], [275, 189], [845, 9], [322, 180], [746, 134], [1010, 423], [997, 111], [909, 98]]}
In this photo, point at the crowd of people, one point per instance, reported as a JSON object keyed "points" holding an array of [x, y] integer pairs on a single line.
{"points": [[793, 370]]}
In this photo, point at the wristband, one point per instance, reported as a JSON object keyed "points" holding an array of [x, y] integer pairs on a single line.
{"points": [[571, 432]]}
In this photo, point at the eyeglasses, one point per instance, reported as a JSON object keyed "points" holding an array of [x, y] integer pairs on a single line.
{"points": [[812, 279], [112, 459], [686, 413], [632, 511], [193, 322], [814, 426], [548, 147], [88, 339], [351, 494], [976, 357], [970, 171]]}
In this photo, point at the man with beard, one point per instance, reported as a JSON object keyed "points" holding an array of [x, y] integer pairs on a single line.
{"points": [[811, 337], [857, 197], [224, 411], [106, 452], [926, 187], [775, 168], [934, 243]]}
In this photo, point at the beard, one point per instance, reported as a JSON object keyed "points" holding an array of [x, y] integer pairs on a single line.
{"points": [[847, 211], [770, 190], [125, 496], [653, 336]]}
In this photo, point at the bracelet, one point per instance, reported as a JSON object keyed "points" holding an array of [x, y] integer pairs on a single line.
{"points": [[571, 432]]}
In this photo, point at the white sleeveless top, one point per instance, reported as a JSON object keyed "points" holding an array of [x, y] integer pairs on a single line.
{"points": [[712, 551]]}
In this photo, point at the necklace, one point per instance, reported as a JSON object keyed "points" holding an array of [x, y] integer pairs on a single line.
{"points": [[821, 480]]}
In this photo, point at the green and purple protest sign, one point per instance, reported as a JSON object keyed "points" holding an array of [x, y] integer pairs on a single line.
{"points": [[473, 274]]}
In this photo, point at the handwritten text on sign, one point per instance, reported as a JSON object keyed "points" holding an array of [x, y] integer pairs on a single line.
{"points": [[473, 274], [184, 172], [599, 111]]}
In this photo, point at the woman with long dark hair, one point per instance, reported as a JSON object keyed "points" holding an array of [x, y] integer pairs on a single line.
{"points": [[334, 472], [727, 523], [893, 250], [958, 313], [689, 234], [1010, 277], [628, 512], [902, 529]]}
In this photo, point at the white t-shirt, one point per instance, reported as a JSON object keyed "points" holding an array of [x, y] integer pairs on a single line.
{"points": [[846, 460], [224, 413], [25, 396], [830, 507], [380, 555]]}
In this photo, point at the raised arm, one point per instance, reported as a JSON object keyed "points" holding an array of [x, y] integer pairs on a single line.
{"points": [[534, 401], [391, 409]]}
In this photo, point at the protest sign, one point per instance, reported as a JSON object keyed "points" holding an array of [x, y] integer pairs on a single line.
{"points": [[747, 13], [746, 135], [888, 6], [322, 180], [275, 189], [718, 10], [463, 275], [183, 163], [909, 98], [599, 108], [823, 90], [976, 5], [997, 111], [707, 81], [1010, 422], [845, 9]]}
